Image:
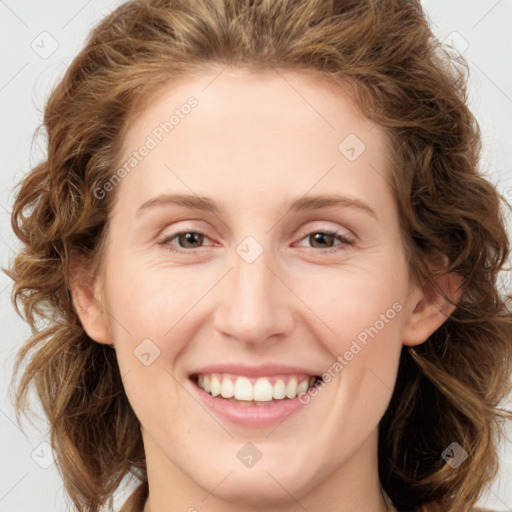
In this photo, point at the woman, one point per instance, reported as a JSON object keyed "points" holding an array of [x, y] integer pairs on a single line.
{"points": [[262, 369]]}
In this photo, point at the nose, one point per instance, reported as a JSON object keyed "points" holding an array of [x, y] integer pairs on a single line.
{"points": [[255, 306]]}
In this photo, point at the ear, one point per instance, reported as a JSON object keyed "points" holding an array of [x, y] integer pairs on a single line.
{"points": [[88, 301], [430, 309]]}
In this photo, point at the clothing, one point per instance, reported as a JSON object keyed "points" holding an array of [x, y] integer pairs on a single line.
{"points": [[388, 501], [137, 500]]}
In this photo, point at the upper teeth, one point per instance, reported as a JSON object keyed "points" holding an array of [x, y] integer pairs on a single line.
{"points": [[257, 389]]}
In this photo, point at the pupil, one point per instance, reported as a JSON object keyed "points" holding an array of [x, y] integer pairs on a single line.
{"points": [[320, 236], [189, 238]]}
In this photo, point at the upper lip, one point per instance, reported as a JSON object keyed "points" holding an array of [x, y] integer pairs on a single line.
{"points": [[263, 370]]}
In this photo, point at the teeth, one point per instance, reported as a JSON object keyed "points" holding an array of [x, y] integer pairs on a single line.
{"points": [[279, 390], [244, 389], [302, 387], [206, 384], [227, 389], [259, 391], [262, 390], [215, 383], [291, 388]]}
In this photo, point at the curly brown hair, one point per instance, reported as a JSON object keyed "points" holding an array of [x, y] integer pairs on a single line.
{"points": [[448, 388]]}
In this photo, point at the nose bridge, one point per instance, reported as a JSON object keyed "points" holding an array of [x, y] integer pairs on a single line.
{"points": [[255, 304]]}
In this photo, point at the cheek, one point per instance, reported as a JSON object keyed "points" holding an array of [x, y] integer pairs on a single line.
{"points": [[146, 316], [151, 301], [362, 315], [355, 304], [149, 321]]}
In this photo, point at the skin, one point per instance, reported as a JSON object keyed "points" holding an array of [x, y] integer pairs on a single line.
{"points": [[253, 144]]}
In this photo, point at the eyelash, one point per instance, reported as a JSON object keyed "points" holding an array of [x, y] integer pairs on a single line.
{"points": [[336, 248]]}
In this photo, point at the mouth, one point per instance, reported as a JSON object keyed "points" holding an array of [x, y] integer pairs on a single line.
{"points": [[254, 391]]}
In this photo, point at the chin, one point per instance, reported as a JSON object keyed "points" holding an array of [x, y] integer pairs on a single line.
{"points": [[256, 490], [272, 480]]}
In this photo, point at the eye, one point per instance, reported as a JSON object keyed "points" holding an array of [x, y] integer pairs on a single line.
{"points": [[186, 240], [194, 240], [326, 238]]}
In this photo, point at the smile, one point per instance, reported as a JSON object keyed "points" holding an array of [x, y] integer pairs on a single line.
{"points": [[254, 391], [233, 397]]}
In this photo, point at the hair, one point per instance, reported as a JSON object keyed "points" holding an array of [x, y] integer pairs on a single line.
{"points": [[383, 52]]}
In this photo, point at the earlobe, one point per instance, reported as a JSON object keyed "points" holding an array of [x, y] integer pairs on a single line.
{"points": [[88, 303], [431, 309]]}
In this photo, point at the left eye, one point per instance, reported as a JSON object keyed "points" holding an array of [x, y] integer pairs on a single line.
{"points": [[328, 236], [194, 240], [184, 239]]}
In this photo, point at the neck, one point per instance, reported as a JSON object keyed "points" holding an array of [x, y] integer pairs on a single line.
{"points": [[353, 486]]}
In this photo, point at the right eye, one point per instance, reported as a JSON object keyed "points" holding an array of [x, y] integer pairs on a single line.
{"points": [[185, 239]]}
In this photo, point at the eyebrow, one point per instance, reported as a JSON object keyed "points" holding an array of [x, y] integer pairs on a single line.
{"points": [[301, 204]]}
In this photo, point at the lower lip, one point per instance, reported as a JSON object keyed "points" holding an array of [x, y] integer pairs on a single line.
{"points": [[250, 415]]}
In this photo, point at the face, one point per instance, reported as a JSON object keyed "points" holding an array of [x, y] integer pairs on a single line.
{"points": [[284, 262]]}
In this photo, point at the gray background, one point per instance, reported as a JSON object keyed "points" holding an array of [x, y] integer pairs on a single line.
{"points": [[38, 40]]}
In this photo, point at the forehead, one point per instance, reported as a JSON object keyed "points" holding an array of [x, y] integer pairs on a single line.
{"points": [[269, 133], [245, 98]]}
